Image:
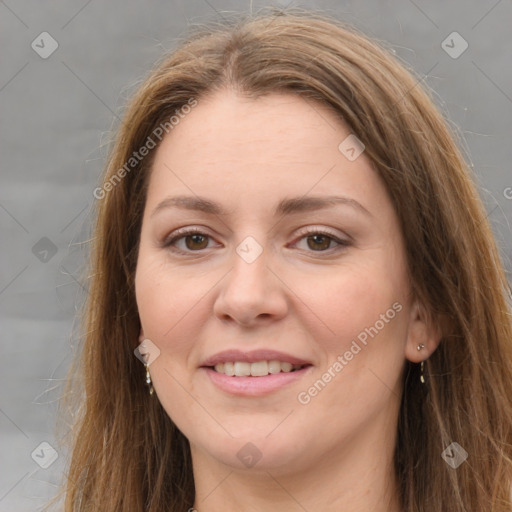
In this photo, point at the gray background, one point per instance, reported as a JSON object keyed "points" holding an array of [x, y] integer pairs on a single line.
{"points": [[56, 115]]}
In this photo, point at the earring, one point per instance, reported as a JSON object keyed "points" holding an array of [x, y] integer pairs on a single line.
{"points": [[148, 379], [422, 377]]}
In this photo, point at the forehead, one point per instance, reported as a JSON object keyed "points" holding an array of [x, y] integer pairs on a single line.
{"points": [[233, 126], [256, 152]]}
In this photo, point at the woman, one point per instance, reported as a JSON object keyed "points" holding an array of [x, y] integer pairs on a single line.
{"points": [[289, 231]]}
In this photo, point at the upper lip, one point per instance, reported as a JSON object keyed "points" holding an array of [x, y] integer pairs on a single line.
{"points": [[253, 356]]}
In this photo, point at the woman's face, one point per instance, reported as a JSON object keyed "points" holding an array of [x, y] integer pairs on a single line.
{"points": [[289, 256]]}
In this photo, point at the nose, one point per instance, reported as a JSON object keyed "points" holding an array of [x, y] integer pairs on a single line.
{"points": [[251, 293]]}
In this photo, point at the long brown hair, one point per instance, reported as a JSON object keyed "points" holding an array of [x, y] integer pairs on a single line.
{"points": [[127, 454]]}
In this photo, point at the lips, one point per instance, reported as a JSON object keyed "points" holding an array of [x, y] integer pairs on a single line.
{"points": [[231, 371]]}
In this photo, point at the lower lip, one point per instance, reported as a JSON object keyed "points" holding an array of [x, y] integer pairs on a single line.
{"points": [[254, 386]]}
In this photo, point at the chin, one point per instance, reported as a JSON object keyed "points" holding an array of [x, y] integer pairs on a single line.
{"points": [[256, 453]]}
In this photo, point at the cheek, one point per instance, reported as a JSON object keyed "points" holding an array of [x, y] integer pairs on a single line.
{"points": [[363, 349], [167, 298], [169, 304], [163, 307], [361, 328], [344, 305]]}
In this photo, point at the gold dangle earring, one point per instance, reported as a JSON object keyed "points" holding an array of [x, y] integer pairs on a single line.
{"points": [[422, 377], [148, 379]]}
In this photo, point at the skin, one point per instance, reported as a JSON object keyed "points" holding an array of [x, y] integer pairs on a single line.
{"points": [[303, 295]]}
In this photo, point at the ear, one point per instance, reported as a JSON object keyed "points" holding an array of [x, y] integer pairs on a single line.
{"points": [[141, 335], [423, 330]]}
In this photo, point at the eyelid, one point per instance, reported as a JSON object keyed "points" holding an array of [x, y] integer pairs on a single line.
{"points": [[321, 230]]}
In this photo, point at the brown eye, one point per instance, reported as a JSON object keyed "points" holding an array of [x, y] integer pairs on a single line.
{"points": [[187, 241], [319, 242], [196, 241]]}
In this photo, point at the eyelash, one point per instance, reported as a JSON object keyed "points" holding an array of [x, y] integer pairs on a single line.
{"points": [[184, 232]]}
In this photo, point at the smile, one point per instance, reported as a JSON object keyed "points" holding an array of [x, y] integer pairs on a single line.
{"points": [[257, 369]]}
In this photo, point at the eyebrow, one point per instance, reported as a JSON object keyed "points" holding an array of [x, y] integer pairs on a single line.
{"points": [[285, 207]]}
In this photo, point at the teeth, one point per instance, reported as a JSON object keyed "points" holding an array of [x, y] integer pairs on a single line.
{"points": [[274, 366], [258, 369], [242, 369]]}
